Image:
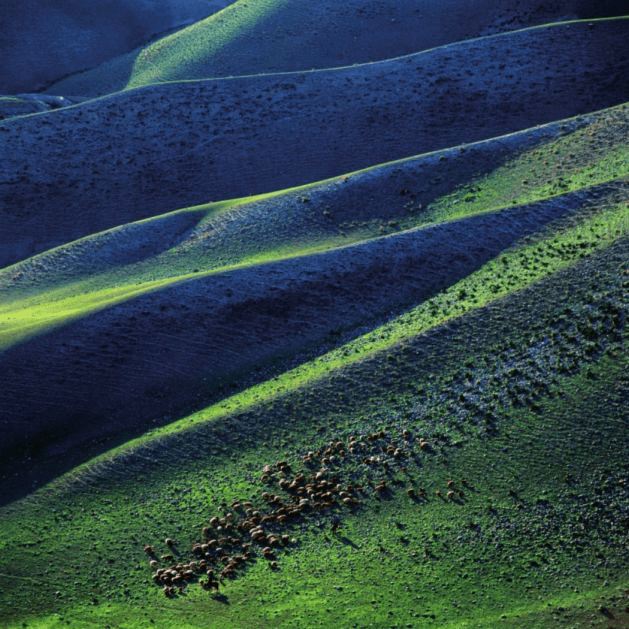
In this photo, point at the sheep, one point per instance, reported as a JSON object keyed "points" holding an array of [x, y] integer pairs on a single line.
{"points": [[451, 494], [451, 484], [149, 550], [169, 542]]}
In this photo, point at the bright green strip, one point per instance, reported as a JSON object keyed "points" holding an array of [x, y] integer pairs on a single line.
{"points": [[21, 319], [184, 54], [564, 165], [553, 253]]}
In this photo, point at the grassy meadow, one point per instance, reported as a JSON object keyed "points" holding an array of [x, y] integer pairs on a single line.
{"points": [[389, 393]]}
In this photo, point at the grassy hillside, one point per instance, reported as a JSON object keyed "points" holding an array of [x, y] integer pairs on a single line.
{"points": [[331, 347], [45, 41], [143, 152], [490, 416], [270, 36]]}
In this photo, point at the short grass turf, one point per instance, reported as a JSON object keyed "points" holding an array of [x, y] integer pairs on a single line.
{"points": [[538, 540], [263, 36]]}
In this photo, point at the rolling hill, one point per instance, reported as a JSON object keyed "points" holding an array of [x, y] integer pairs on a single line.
{"points": [[316, 315]]}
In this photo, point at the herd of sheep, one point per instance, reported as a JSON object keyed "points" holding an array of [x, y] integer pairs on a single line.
{"points": [[234, 538]]}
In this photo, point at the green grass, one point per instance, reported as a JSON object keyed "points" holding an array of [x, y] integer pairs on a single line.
{"points": [[511, 271], [24, 315], [517, 375], [464, 579]]}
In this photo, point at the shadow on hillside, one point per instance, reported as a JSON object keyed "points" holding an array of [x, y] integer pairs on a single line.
{"points": [[76, 405], [348, 542], [601, 8]]}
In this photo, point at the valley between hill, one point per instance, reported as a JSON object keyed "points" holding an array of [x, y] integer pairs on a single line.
{"points": [[300, 327]]}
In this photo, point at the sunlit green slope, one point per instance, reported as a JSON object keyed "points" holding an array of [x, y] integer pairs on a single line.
{"points": [[522, 398], [263, 282], [255, 374], [266, 36]]}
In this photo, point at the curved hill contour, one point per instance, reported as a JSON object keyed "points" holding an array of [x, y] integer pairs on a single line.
{"points": [[143, 152], [268, 36], [340, 338], [43, 40]]}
